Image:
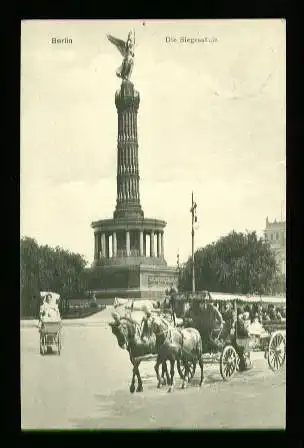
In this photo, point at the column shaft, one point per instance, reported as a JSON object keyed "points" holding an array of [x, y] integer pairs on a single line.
{"points": [[95, 246], [103, 244], [152, 250], [158, 245], [128, 243], [114, 245], [141, 243]]}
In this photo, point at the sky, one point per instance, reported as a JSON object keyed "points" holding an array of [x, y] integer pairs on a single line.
{"points": [[211, 120]]}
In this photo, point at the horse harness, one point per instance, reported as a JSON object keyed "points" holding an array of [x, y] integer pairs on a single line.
{"points": [[169, 333]]}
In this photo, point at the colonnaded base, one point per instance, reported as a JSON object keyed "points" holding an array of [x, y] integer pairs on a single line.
{"points": [[138, 282]]}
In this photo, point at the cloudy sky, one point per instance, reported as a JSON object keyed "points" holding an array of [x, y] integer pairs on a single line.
{"points": [[211, 120]]}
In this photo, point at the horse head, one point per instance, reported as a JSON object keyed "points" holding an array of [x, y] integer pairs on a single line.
{"points": [[119, 330], [125, 329]]}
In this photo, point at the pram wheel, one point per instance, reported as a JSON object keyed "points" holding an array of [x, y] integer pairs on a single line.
{"points": [[43, 347], [59, 343]]}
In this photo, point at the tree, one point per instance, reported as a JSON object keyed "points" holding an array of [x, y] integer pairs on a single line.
{"points": [[43, 268], [279, 284], [236, 263]]}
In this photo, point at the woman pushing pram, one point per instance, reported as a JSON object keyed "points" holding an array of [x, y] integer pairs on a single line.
{"points": [[49, 310]]}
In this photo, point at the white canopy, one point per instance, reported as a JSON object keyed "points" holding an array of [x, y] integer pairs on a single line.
{"points": [[55, 296], [249, 299]]}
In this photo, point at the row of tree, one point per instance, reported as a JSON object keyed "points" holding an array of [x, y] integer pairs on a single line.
{"points": [[44, 268], [239, 263]]}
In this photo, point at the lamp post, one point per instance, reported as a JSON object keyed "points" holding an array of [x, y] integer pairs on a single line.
{"points": [[193, 220], [178, 270]]}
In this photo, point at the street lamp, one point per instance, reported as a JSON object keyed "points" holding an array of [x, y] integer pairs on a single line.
{"points": [[178, 270], [193, 221]]}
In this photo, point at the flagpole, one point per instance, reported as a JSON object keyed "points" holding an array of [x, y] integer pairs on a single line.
{"points": [[178, 269], [193, 216]]}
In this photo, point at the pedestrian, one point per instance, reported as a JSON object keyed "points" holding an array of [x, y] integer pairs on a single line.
{"points": [[172, 301]]}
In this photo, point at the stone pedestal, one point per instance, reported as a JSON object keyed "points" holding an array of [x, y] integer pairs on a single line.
{"points": [[134, 281]]}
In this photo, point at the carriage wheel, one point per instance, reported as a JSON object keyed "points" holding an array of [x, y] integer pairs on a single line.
{"points": [[59, 344], [228, 362], [276, 351], [42, 345], [186, 368]]}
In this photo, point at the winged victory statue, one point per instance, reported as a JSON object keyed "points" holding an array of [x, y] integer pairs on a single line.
{"points": [[126, 49]]}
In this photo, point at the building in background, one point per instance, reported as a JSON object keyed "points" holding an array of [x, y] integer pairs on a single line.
{"points": [[275, 234]]}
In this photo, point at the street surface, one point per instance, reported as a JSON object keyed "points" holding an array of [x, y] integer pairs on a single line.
{"points": [[87, 386]]}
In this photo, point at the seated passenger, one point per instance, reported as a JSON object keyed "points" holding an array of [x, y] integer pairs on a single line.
{"points": [[256, 327], [49, 310], [265, 316], [249, 309], [278, 313], [229, 320], [242, 341], [247, 319], [272, 313]]}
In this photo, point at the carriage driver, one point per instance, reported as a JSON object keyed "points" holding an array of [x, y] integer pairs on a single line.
{"points": [[209, 319], [146, 327]]}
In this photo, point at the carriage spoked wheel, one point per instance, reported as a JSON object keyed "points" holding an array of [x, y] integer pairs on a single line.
{"points": [[228, 362], [43, 347], [276, 351], [186, 369]]}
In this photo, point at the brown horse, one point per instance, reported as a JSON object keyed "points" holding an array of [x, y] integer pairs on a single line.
{"points": [[174, 344], [127, 332]]}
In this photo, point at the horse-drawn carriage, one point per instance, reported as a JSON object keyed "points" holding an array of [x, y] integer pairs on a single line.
{"points": [[228, 349], [50, 327], [271, 339]]}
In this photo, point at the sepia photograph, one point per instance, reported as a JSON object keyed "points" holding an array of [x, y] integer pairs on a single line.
{"points": [[152, 224]]}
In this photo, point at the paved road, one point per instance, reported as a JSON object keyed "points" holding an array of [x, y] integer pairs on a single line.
{"points": [[87, 387]]}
